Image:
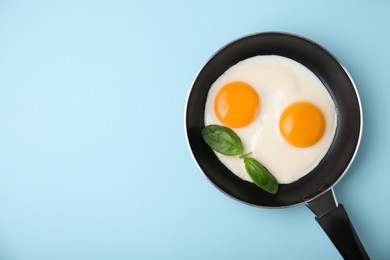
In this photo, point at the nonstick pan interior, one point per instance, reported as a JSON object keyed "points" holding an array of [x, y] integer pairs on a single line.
{"points": [[336, 80]]}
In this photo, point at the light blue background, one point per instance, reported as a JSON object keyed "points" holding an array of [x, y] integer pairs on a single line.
{"points": [[93, 158]]}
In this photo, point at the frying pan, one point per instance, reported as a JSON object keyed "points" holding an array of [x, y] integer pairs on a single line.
{"points": [[315, 190]]}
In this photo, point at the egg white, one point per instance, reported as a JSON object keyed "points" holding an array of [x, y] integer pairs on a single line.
{"points": [[279, 82]]}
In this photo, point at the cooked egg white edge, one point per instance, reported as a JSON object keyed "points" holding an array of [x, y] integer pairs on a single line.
{"points": [[279, 81]]}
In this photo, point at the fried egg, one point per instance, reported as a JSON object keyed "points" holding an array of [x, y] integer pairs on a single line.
{"points": [[281, 111]]}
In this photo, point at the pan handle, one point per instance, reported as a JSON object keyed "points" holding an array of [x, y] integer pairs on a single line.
{"points": [[334, 220]]}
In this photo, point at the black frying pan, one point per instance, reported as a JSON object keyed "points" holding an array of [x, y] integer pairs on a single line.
{"points": [[315, 189]]}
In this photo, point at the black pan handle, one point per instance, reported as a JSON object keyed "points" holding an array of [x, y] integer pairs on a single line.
{"points": [[335, 222]]}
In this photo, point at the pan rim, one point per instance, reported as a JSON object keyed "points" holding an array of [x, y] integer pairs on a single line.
{"points": [[331, 56]]}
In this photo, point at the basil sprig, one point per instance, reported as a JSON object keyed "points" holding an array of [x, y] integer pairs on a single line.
{"points": [[260, 175], [225, 141], [222, 140]]}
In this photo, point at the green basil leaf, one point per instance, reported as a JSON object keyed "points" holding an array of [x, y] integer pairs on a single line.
{"points": [[260, 175], [222, 140]]}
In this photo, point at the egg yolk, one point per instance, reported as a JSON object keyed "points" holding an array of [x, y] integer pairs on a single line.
{"points": [[302, 124], [236, 104]]}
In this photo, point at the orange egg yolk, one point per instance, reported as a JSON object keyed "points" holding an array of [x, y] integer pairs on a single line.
{"points": [[302, 124], [236, 104]]}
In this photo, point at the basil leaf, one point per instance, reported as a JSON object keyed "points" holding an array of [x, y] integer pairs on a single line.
{"points": [[222, 140], [260, 175]]}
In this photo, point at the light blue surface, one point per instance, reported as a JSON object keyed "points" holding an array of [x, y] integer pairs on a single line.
{"points": [[93, 158]]}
